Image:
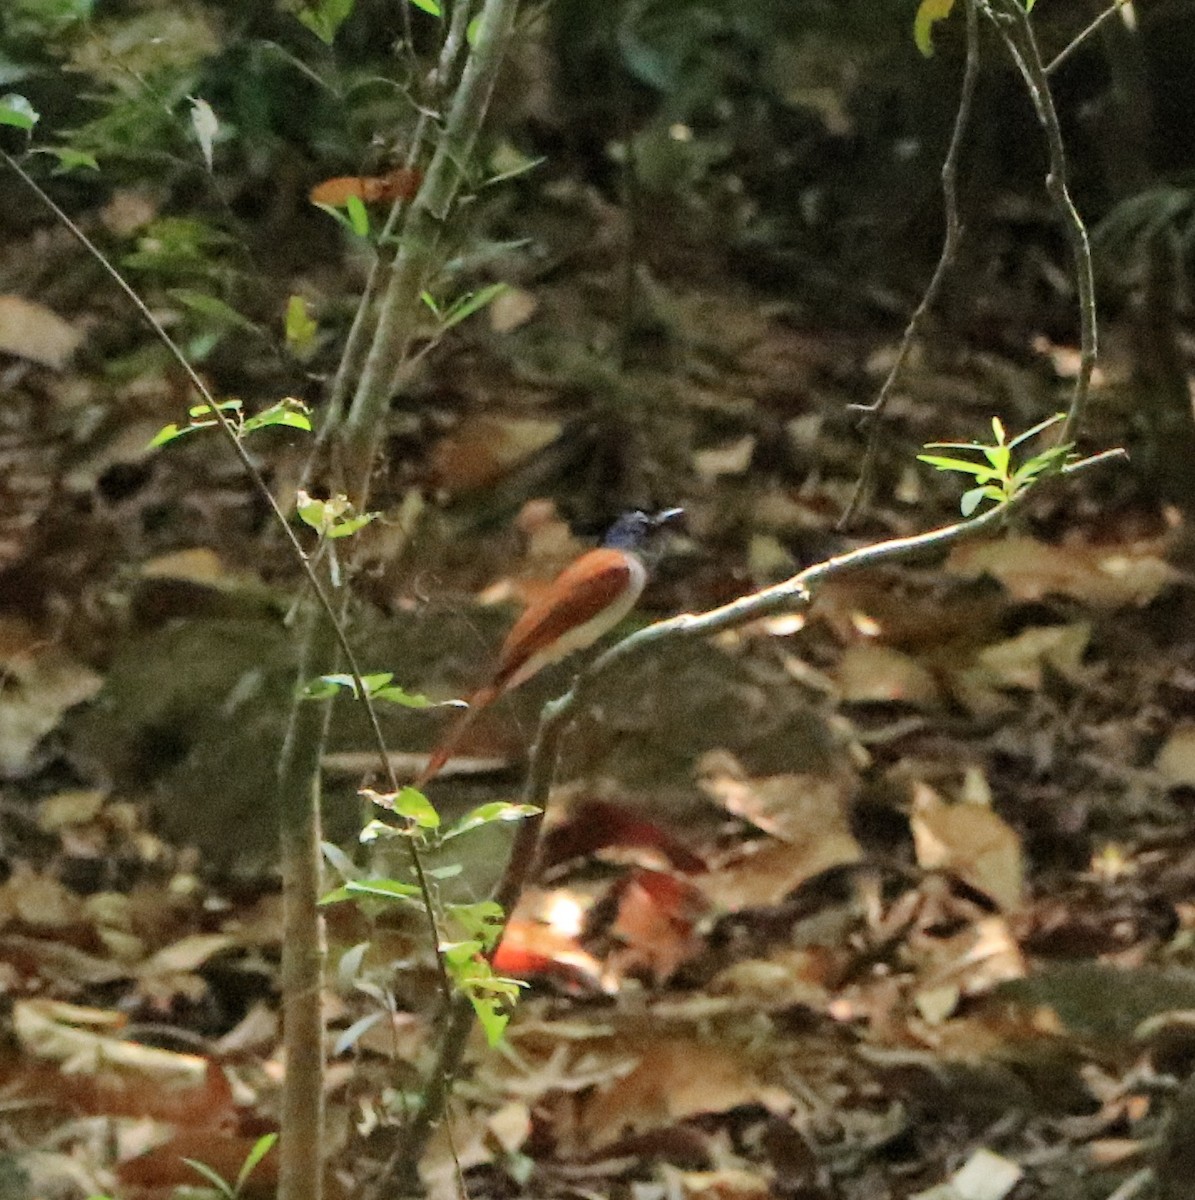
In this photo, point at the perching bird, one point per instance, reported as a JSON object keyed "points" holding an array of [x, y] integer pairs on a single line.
{"points": [[587, 599]]}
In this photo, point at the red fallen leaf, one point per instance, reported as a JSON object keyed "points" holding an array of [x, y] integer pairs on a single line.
{"points": [[399, 184], [656, 923], [598, 825], [531, 948]]}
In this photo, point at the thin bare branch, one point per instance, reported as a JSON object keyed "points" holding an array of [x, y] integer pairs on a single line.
{"points": [[1013, 23], [1082, 36], [950, 245]]}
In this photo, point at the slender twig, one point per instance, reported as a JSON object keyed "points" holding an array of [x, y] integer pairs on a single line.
{"points": [[304, 733], [1011, 19], [792, 595], [1082, 36], [950, 245]]}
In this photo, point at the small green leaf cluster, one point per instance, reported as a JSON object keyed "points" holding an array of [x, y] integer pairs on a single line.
{"points": [[379, 685], [463, 306], [474, 928], [332, 518], [290, 412], [996, 477]]}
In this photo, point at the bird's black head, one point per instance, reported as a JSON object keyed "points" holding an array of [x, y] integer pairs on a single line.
{"points": [[632, 529]]}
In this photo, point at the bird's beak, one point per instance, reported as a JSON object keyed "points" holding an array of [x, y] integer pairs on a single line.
{"points": [[667, 515]]}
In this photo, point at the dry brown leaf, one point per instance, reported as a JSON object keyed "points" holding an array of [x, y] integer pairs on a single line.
{"points": [[674, 1079], [38, 900], [726, 1184], [1176, 758], [187, 954], [780, 805], [656, 925], [484, 448], [971, 963], [198, 564], [70, 1058], [730, 458], [871, 673], [1019, 661], [1105, 576], [164, 1170], [971, 841], [984, 1176], [763, 874], [31, 330], [511, 309], [65, 809], [41, 681], [811, 813]]}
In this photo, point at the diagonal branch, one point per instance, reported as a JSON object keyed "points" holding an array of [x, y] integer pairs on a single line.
{"points": [[792, 595]]}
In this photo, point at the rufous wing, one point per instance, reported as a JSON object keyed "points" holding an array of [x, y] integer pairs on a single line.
{"points": [[588, 598]]}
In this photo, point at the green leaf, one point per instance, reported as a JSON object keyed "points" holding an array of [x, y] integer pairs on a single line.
{"points": [[349, 525], [467, 305], [929, 13], [448, 871], [18, 112], [472, 30], [463, 954], [325, 18], [378, 686], [261, 1148], [358, 216], [210, 306], [339, 861], [382, 889], [301, 328], [971, 500], [415, 806], [205, 409], [487, 814], [982, 471], [492, 1016], [339, 217], [431, 7], [379, 831], [409, 802], [69, 159], [205, 125], [393, 694], [483, 920], [1000, 457], [1040, 427], [291, 413], [168, 433], [215, 1179], [328, 516]]}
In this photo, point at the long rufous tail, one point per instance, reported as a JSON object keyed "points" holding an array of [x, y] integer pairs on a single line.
{"points": [[447, 745]]}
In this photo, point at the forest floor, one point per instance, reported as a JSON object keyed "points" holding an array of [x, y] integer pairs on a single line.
{"points": [[892, 898]]}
